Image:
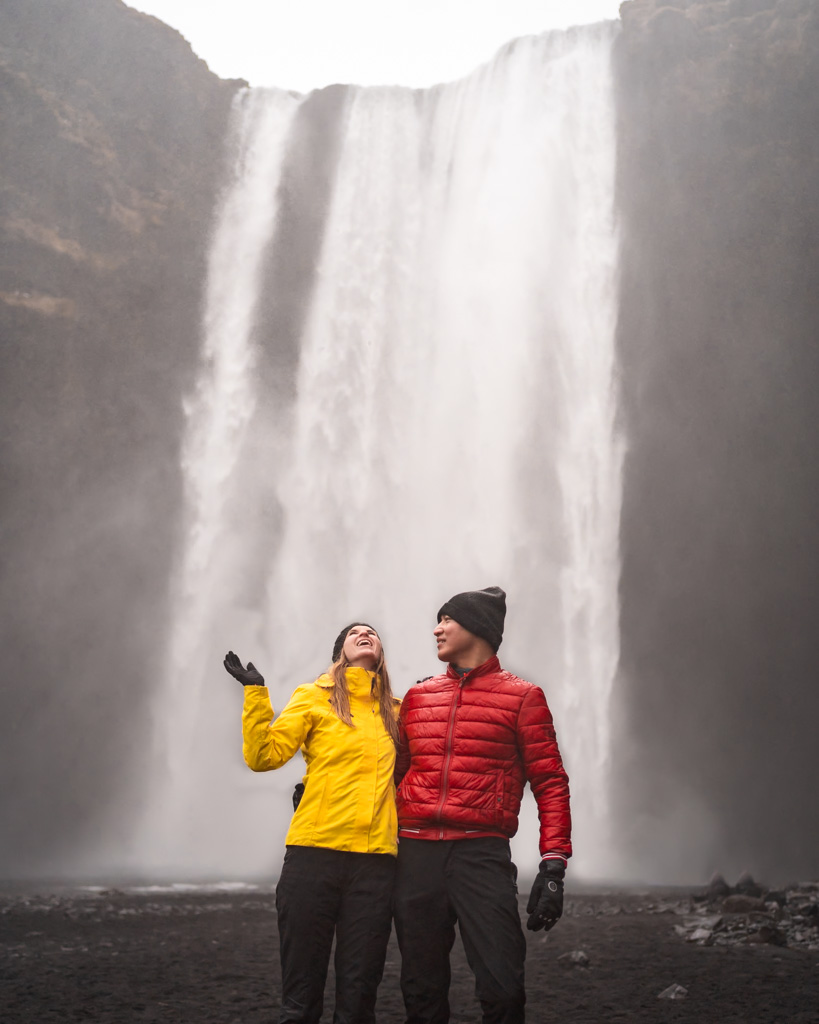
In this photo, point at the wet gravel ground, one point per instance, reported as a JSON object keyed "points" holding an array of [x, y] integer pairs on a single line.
{"points": [[195, 956]]}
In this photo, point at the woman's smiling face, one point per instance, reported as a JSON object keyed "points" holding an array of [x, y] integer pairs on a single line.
{"points": [[362, 647]]}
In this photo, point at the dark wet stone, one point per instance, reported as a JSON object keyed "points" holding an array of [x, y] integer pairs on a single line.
{"points": [[674, 991], [718, 886], [739, 904], [769, 935], [747, 886], [576, 958]]}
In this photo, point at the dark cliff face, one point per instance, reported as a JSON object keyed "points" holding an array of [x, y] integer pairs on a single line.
{"points": [[111, 138], [719, 199]]}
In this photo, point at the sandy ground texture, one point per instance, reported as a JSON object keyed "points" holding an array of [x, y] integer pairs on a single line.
{"points": [[195, 956]]}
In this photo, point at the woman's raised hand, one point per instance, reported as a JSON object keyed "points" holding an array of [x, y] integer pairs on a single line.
{"points": [[249, 676]]}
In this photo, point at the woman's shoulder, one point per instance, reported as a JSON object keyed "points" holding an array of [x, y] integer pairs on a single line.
{"points": [[310, 693]]}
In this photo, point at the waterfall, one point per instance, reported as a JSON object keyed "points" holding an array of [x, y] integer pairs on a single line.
{"points": [[218, 415], [453, 425]]}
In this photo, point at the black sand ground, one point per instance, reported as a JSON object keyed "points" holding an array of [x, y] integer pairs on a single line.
{"points": [[211, 956]]}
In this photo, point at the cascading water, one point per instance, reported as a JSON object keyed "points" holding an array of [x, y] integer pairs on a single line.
{"points": [[218, 416], [453, 426]]}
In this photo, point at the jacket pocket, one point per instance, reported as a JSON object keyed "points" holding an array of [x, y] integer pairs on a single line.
{"points": [[316, 797], [500, 790]]}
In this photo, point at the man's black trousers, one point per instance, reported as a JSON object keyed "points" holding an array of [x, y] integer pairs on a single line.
{"points": [[322, 893], [471, 881]]}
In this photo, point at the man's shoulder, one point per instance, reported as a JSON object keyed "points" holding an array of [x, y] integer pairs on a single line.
{"points": [[429, 684], [511, 683]]}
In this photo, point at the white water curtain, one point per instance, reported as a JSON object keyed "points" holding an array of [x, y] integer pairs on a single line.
{"points": [[454, 427]]}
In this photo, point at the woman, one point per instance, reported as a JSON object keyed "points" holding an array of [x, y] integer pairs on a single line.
{"points": [[339, 864]]}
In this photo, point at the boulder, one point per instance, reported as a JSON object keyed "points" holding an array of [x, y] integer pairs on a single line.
{"points": [[739, 904], [718, 887], [747, 886], [767, 934]]}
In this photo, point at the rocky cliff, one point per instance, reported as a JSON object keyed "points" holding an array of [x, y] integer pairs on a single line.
{"points": [[719, 203], [111, 134]]}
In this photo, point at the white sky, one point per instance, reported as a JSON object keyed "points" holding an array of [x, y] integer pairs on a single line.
{"points": [[306, 44]]}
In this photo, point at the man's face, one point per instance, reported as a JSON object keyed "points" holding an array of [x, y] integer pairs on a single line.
{"points": [[452, 639]]}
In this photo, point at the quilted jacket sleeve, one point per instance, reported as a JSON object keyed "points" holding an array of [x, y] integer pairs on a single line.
{"points": [[402, 757], [268, 743], [545, 773]]}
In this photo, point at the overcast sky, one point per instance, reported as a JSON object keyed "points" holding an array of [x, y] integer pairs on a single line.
{"points": [[305, 44]]}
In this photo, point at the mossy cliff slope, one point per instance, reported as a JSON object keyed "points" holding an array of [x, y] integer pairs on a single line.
{"points": [[111, 133], [719, 337]]}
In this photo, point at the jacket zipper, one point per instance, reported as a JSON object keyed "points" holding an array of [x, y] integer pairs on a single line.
{"points": [[456, 700]]}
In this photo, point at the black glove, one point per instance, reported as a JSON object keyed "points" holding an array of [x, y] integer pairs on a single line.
{"points": [[247, 676], [545, 905], [298, 793]]}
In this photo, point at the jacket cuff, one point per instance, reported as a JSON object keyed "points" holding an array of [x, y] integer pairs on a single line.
{"points": [[553, 864]]}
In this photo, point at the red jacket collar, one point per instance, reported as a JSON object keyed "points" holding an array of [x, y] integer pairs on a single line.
{"points": [[490, 666]]}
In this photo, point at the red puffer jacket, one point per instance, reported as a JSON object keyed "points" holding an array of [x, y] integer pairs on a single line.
{"points": [[468, 746]]}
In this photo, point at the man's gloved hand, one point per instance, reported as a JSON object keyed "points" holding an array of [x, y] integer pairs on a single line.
{"points": [[298, 793], [545, 905], [247, 676]]}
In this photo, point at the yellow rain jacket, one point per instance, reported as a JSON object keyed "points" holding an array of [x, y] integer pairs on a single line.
{"points": [[349, 793]]}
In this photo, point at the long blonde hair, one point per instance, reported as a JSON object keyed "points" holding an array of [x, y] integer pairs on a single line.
{"points": [[340, 697]]}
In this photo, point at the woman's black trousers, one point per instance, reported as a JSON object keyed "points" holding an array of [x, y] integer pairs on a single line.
{"points": [[324, 893]]}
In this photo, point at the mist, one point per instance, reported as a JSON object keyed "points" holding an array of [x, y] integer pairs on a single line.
{"points": [[119, 153]]}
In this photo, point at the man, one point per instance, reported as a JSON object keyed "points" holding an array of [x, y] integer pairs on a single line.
{"points": [[469, 741]]}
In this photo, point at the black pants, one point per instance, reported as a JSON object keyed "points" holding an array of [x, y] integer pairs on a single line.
{"points": [[322, 893], [471, 881]]}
